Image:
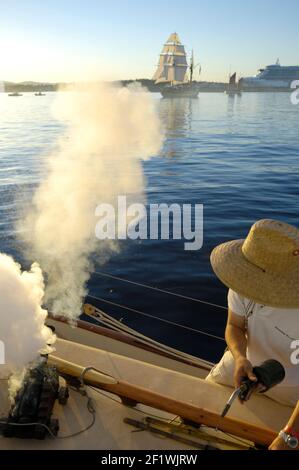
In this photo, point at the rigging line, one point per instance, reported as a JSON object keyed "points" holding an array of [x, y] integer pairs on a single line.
{"points": [[147, 286], [106, 320], [194, 330], [146, 413], [120, 326], [148, 341]]}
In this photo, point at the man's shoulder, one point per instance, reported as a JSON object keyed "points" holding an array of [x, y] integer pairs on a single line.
{"points": [[236, 302]]}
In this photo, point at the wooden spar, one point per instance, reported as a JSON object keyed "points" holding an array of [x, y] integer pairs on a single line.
{"points": [[133, 394], [89, 375]]}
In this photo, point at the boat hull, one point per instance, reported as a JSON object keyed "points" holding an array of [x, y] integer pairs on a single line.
{"points": [[232, 91], [168, 393], [259, 84], [189, 90]]}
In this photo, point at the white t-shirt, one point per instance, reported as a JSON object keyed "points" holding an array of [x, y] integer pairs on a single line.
{"points": [[271, 334]]}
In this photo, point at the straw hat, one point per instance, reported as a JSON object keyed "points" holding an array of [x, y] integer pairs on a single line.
{"points": [[264, 267]]}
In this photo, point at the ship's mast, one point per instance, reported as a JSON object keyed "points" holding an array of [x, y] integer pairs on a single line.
{"points": [[191, 66]]}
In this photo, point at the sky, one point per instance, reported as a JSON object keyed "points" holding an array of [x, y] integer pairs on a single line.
{"points": [[78, 40]]}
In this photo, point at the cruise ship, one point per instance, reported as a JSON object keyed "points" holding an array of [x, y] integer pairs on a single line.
{"points": [[277, 77]]}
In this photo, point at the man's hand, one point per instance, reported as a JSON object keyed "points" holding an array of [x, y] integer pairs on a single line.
{"points": [[235, 335], [279, 444], [243, 369]]}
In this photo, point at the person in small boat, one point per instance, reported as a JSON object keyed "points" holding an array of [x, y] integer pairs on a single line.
{"points": [[262, 274]]}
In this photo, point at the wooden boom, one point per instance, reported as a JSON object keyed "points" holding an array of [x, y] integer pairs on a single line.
{"points": [[132, 394]]}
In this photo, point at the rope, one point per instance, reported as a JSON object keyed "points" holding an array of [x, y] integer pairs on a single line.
{"points": [[189, 328], [157, 289], [119, 326]]}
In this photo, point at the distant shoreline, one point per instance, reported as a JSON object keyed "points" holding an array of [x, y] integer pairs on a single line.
{"points": [[205, 87], [33, 87]]}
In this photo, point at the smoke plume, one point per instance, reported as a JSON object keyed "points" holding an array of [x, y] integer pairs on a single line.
{"points": [[108, 132], [23, 333]]}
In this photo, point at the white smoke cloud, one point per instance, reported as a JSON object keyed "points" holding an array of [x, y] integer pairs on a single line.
{"points": [[109, 131], [22, 319]]}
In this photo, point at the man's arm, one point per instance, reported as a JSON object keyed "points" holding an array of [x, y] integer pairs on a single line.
{"points": [[294, 419], [293, 424], [235, 335]]}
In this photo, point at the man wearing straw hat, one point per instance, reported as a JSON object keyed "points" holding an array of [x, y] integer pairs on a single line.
{"points": [[262, 274]]}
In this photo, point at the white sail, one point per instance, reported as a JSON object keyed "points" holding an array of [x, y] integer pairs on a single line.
{"points": [[173, 64]]}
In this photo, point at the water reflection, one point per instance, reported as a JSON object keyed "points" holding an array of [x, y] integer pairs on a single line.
{"points": [[237, 156], [177, 118]]}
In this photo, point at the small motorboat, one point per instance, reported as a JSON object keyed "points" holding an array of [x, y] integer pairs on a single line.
{"points": [[15, 94], [40, 94]]}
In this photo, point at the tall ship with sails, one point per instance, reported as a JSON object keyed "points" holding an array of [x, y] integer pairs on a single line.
{"points": [[174, 74]]}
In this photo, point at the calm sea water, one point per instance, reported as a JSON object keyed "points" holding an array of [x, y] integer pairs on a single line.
{"points": [[237, 156]]}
